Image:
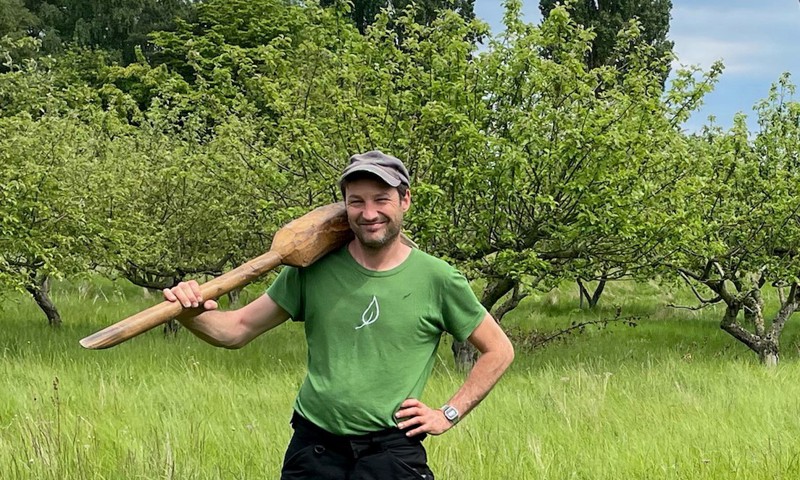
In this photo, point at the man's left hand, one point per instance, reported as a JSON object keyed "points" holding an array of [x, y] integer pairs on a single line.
{"points": [[426, 419]]}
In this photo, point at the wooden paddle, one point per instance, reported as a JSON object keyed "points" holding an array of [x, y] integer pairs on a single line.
{"points": [[300, 243]]}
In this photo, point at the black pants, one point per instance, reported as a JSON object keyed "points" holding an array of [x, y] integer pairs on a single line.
{"points": [[315, 454]]}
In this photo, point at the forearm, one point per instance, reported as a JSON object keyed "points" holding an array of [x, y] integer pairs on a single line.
{"points": [[231, 329], [418, 417], [482, 378], [215, 327]]}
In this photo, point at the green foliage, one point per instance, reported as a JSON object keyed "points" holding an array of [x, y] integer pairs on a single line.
{"points": [[49, 178], [192, 207], [43, 84], [15, 19], [565, 168], [606, 18], [247, 52], [118, 26], [46, 181], [364, 12], [527, 163], [743, 222], [747, 211]]}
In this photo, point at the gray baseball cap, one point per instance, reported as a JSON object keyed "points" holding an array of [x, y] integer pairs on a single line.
{"points": [[386, 167]]}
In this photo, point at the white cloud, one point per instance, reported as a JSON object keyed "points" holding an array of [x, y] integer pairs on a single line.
{"points": [[738, 56], [750, 16], [754, 39]]}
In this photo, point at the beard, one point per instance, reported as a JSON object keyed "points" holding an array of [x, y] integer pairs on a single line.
{"points": [[373, 241]]}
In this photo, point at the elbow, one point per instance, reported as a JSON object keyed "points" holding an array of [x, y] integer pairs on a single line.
{"points": [[501, 356], [237, 336], [506, 353], [509, 355], [233, 344], [238, 339], [227, 342]]}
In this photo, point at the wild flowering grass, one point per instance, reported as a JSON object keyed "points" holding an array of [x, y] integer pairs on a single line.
{"points": [[673, 398]]}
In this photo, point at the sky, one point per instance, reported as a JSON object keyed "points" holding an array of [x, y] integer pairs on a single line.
{"points": [[757, 40]]}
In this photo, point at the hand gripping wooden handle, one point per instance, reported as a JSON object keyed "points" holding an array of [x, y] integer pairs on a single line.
{"points": [[300, 243]]}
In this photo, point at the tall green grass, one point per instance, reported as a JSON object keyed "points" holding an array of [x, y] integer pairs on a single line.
{"points": [[672, 398]]}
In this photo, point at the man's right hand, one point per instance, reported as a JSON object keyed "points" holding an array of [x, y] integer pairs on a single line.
{"points": [[230, 329], [188, 294]]}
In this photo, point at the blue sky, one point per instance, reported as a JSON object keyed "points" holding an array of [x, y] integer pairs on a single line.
{"points": [[756, 39]]}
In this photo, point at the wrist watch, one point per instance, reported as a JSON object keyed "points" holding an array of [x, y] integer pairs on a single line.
{"points": [[451, 414]]}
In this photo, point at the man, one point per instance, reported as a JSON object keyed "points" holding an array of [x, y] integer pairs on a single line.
{"points": [[374, 312]]}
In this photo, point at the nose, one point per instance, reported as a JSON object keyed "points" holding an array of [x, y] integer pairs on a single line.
{"points": [[370, 213]]}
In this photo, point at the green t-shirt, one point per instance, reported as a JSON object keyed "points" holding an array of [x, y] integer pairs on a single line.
{"points": [[372, 336]]}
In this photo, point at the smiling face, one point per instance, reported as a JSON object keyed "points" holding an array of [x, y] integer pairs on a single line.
{"points": [[375, 211]]}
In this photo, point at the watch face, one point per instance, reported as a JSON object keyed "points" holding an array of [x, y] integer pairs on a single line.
{"points": [[451, 413]]}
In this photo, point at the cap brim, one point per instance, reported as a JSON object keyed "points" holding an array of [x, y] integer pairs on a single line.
{"points": [[373, 169]]}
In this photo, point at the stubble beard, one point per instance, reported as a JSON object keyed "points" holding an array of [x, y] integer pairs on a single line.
{"points": [[391, 232]]}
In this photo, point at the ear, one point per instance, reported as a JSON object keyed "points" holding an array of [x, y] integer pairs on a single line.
{"points": [[405, 201]]}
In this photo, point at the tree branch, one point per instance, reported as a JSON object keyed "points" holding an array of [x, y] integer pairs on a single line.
{"points": [[730, 325], [787, 310], [702, 300]]}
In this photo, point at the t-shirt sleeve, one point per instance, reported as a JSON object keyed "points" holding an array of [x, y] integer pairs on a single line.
{"points": [[461, 310], [287, 292]]}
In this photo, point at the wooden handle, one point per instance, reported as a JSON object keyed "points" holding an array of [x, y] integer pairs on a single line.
{"points": [[300, 243], [165, 311]]}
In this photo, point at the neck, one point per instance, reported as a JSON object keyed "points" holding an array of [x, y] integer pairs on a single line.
{"points": [[379, 259]]}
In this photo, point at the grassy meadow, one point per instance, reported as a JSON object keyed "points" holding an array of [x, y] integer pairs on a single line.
{"points": [[672, 398]]}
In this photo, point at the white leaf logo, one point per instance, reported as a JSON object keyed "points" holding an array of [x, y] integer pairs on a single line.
{"points": [[371, 314]]}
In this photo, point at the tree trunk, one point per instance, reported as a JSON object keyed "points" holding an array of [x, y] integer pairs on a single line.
{"points": [[754, 313], [769, 354], [781, 294], [510, 304], [495, 290], [465, 355], [764, 342], [233, 296], [601, 286], [766, 348], [594, 297], [40, 289], [171, 328]]}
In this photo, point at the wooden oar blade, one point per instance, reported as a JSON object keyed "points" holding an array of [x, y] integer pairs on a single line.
{"points": [[305, 240]]}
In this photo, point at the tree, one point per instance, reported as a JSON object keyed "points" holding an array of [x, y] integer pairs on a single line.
{"points": [[363, 12], [48, 176], [743, 234], [15, 19], [115, 26], [47, 230], [528, 166], [195, 208], [607, 17], [578, 167]]}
